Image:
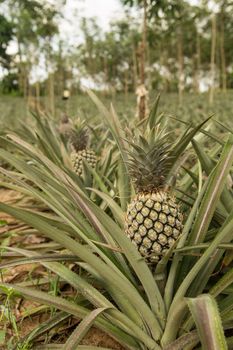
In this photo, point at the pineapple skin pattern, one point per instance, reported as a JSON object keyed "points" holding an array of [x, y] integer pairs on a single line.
{"points": [[153, 223], [153, 219], [77, 158], [78, 139]]}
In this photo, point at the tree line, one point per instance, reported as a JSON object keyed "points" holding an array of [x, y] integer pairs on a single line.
{"points": [[165, 44]]}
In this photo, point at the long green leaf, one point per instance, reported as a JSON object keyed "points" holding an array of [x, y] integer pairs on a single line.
{"points": [[177, 267], [213, 192], [123, 285], [139, 265], [88, 291], [45, 327], [153, 112], [114, 125], [82, 329], [204, 310], [172, 327], [208, 164], [117, 211]]}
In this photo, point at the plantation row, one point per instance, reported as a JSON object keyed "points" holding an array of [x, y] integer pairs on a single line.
{"points": [[14, 110]]}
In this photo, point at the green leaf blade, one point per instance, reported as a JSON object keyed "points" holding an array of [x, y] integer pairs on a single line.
{"points": [[205, 312]]}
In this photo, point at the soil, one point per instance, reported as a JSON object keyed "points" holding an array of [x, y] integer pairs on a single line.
{"points": [[98, 338]]}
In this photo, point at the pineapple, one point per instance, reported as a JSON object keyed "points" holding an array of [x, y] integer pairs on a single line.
{"points": [[153, 220], [80, 151], [65, 127]]}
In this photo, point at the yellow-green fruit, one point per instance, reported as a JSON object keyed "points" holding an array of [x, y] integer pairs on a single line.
{"points": [[153, 223], [77, 158]]}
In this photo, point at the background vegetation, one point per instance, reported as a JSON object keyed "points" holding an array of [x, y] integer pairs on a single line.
{"points": [[169, 46]]}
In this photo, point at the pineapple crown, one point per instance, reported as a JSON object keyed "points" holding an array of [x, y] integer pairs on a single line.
{"points": [[150, 158], [153, 154], [79, 136], [65, 119]]}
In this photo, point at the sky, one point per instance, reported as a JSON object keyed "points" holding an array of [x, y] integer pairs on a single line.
{"points": [[103, 10]]}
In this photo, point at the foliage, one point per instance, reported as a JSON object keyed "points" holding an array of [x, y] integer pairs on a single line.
{"points": [[6, 34], [178, 37], [141, 307], [14, 111], [31, 25]]}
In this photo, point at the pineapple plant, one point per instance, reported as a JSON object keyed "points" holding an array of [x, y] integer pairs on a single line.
{"points": [[65, 127], [153, 220], [80, 151], [123, 298]]}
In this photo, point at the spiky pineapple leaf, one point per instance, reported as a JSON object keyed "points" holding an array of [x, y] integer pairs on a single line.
{"points": [[208, 164], [153, 113], [81, 330], [172, 327], [63, 305], [112, 121], [214, 190], [205, 312]]}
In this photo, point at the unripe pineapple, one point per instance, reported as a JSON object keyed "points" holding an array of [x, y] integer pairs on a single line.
{"points": [[77, 158], [153, 220], [80, 151], [65, 127]]}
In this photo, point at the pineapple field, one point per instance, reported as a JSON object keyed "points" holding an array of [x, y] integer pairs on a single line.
{"points": [[116, 234], [116, 175], [15, 110]]}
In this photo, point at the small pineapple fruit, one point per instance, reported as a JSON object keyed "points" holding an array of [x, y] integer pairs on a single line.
{"points": [[153, 220], [65, 127], [80, 151]]}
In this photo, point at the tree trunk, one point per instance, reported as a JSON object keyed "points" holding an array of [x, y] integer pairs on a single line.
{"points": [[147, 66], [126, 84], [50, 81], [197, 65], [212, 61], [222, 51], [25, 83], [37, 95], [106, 75], [61, 72], [164, 64], [180, 63], [195, 74], [141, 90], [135, 69], [143, 44], [20, 67], [51, 94], [199, 59], [30, 97]]}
